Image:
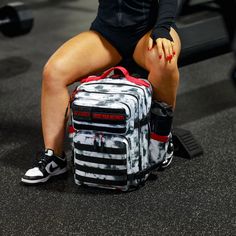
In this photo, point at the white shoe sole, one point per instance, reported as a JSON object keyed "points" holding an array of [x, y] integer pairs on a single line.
{"points": [[35, 181], [164, 166]]}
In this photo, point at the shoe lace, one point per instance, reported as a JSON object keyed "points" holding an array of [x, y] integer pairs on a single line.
{"points": [[42, 160]]}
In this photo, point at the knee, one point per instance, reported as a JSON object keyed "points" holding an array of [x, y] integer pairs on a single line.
{"points": [[53, 75], [162, 68]]}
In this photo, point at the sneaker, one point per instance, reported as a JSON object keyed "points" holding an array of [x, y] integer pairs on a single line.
{"points": [[48, 165], [169, 155]]}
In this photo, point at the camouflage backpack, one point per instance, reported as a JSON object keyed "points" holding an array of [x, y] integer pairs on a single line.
{"points": [[110, 116]]}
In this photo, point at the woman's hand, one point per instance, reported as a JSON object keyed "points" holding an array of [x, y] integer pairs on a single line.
{"points": [[165, 48]]}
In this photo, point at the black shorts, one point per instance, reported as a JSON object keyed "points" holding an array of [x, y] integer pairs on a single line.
{"points": [[123, 39]]}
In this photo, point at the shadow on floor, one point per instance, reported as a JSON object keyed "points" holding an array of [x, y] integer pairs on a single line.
{"points": [[12, 66]]}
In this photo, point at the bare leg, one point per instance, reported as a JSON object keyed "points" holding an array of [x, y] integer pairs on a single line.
{"points": [[163, 75], [82, 55]]}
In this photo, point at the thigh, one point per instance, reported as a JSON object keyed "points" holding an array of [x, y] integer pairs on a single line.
{"points": [[143, 56], [84, 54]]}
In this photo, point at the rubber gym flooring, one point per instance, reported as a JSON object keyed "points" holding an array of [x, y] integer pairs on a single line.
{"points": [[192, 197]]}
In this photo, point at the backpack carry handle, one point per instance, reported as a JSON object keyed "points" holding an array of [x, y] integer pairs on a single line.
{"points": [[124, 72], [120, 68]]}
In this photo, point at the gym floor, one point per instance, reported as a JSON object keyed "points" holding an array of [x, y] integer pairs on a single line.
{"points": [[192, 197]]}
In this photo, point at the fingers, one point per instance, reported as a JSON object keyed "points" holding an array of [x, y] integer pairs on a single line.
{"points": [[170, 49], [165, 48], [173, 48], [150, 43], [160, 48]]}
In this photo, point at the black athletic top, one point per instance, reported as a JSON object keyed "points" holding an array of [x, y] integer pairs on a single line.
{"points": [[123, 13]]}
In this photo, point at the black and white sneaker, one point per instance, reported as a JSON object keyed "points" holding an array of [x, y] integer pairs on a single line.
{"points": [[48, 165], [169, 155]]}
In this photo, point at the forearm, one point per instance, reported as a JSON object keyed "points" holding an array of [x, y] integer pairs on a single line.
{"points": [[166, 17]]}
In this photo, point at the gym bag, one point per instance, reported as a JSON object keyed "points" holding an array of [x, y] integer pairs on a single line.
{"points": [[110, 116]]}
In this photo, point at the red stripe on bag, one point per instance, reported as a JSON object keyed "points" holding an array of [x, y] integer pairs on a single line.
{"points": [[82, 113], [71, 129], [159, 138], [108, 116]]}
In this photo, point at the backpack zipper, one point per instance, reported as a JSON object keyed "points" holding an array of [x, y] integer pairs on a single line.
{"points": [[130, 85], [86, 91]]}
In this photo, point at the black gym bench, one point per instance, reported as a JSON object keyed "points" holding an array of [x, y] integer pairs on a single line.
{"points": [[206, 36]]}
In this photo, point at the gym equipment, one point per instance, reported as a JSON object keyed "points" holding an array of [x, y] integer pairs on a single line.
{"points": [[205, 35], [228, 11], [185, 145], [15, 19], [198, 45]]}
